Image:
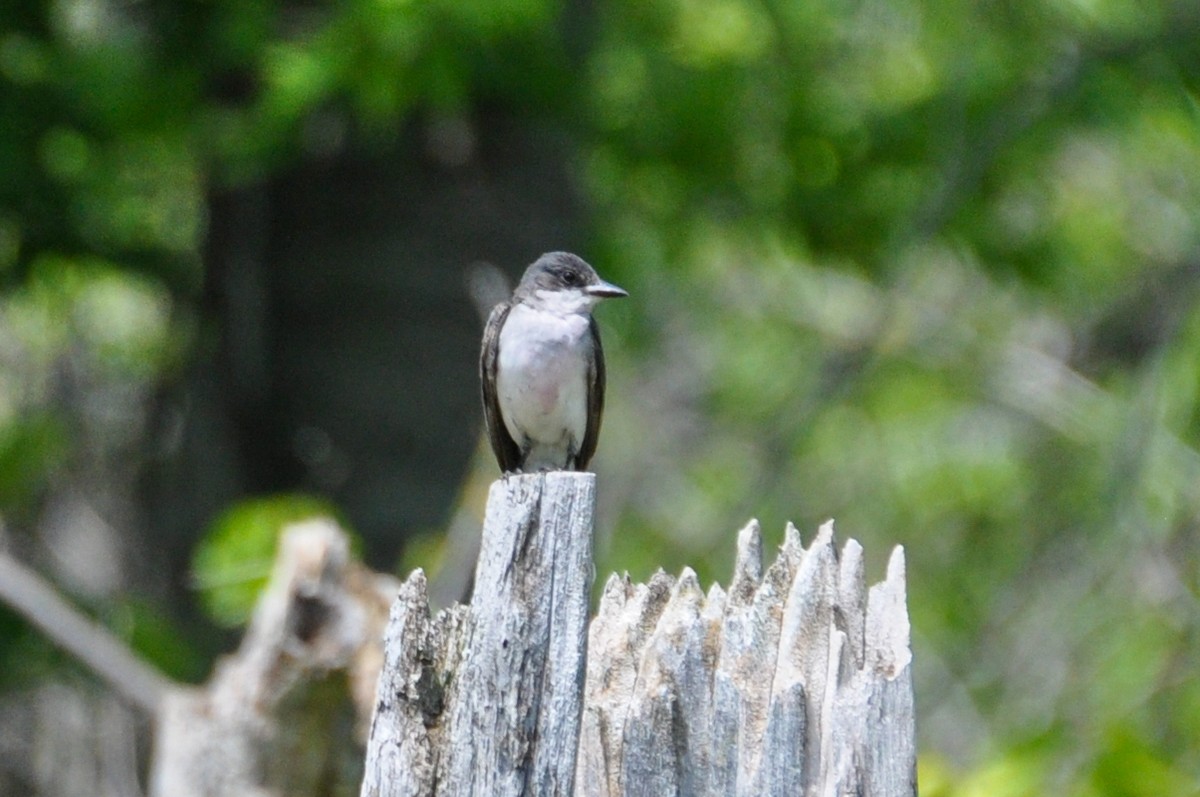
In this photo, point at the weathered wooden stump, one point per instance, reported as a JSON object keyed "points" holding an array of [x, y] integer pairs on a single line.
{"points": [[286, 714], [487, 700], [795, 681]]}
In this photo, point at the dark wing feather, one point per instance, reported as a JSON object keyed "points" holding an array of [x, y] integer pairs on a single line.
{"points": [[596, 379], [508, 454]]}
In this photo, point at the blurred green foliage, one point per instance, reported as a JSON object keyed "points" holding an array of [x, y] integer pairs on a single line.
{"points": [[929, 267], [83, 339], [26, 657], [234, 560]]}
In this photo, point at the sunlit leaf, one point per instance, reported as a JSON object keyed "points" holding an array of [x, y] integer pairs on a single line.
{"points": [[233, 561]]}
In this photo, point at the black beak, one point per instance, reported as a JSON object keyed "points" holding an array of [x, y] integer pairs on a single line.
{"points": [[606, 290]]}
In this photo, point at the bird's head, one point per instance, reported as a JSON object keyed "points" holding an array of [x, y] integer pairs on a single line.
{"points": [[565, 283]]}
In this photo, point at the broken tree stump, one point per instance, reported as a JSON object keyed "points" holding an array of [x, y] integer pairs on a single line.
{"points": [[286, 714], [794, 681], [487, 700]]}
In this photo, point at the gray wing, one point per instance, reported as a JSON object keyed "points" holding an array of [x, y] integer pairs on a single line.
{"points": [[596, 379], [508, 453]]}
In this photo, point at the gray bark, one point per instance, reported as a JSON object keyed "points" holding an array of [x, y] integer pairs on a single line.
{"points": [[487, 700], [797, 681]]}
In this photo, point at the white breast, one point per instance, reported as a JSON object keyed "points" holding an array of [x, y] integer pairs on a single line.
{"points": [[541, 382]]}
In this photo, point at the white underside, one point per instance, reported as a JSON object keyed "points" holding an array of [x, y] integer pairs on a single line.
{"points": [[541, 381]]}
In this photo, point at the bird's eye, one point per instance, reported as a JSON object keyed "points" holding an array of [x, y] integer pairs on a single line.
{"points": [[569, 277]]}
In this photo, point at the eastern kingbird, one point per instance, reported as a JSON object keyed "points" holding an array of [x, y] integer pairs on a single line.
{"points": [[542, 367]]}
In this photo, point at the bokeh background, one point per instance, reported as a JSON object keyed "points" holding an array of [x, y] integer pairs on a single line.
{"points": [[928, 267]]}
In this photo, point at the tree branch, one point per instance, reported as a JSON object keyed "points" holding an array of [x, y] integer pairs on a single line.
{"points": [[35, 599]]}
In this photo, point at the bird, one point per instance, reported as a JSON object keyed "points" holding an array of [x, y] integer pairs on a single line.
{"points": [[541, 367]]}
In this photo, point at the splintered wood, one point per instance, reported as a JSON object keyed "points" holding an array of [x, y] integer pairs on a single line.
{"points": [[486, 700], [794, 681]]}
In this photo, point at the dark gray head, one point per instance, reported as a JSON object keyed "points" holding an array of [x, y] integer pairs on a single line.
{"points": [[566, 281]]}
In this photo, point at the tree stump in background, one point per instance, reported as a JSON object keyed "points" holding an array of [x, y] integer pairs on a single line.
{"points": [[286, 714], [796, 680]]}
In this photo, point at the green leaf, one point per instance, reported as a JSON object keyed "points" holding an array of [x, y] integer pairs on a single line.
{"points": [[233, 561]]}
